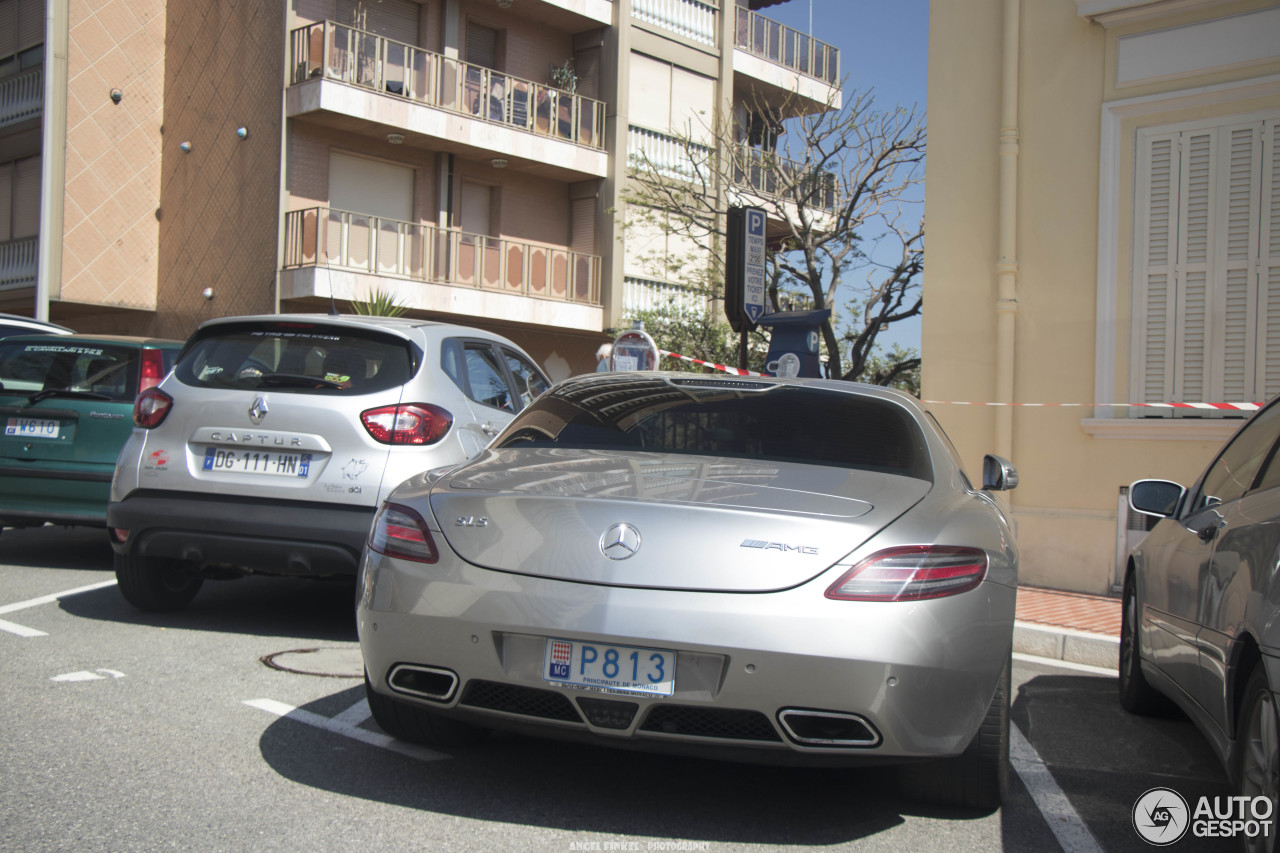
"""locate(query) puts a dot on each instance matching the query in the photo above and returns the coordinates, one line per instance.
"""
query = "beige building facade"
(163, 162)
(1103, 200)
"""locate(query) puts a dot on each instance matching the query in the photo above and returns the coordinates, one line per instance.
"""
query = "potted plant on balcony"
(564, 77)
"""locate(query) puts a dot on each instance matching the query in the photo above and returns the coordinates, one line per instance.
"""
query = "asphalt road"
(124, 731)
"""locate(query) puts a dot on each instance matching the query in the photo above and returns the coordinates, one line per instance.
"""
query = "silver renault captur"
(273, 441)
(792, 571)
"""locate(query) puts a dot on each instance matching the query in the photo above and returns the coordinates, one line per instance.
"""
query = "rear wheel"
(156, 584)
(978, 777)
(1136, 695)
(418, 725)
(1257, 760)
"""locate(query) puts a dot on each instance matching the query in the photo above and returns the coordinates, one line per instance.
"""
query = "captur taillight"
(407, 423)
(398, 531)
(912, 573)
(151, 408)
(152, 369)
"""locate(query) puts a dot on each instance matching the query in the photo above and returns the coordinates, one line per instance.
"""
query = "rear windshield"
(29, 367)
(304, 358)
(768, 422)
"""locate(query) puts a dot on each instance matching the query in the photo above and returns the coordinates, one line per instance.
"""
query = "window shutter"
(586, 63)
(1268, 382)
(583, 238)
(1237, 251)
(1196, 211)
(369, 186)
(26, 198)
(30, 24)
(1156, 297)
(6, 202)
(482, 46)
(8, 27)
(393, 19)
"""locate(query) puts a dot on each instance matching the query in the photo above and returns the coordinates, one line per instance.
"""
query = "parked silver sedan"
(1201, 617)
(791, 571)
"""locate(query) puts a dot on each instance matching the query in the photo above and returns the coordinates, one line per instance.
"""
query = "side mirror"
(998, 474)
(1155, 497)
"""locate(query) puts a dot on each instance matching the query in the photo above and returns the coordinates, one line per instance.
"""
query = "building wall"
(1071, 464)
(113, 169)
(219, 212)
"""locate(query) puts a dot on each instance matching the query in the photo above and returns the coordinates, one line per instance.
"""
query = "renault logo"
(620, 541)
(258, 410)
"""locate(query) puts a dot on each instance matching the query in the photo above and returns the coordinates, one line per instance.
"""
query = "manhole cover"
(324, 662)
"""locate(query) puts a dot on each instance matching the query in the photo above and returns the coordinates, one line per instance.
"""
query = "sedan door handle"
(489, 430)
(1206, 534)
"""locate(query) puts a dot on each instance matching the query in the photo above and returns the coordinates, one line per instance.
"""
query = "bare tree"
(837, 186)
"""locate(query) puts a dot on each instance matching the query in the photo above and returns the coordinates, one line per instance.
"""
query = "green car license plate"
(31, 428)
(622, 668)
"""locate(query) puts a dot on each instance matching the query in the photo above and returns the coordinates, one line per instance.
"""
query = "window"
(486, 383)
(1206, 284)
(1232, 473)
(482, 46)
(528, 381)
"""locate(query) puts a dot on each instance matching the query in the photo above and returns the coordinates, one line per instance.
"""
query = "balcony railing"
(646, 294)
(779, 43)
(689, 18)
(339, 52)
(323, 237)
(18, 263)
(767, 173)
(22, 97)
(754, 170)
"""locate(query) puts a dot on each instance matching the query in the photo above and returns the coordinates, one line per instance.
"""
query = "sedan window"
(1233, 472)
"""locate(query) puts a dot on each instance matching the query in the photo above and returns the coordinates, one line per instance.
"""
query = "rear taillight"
(151, 407)
(407, 423)
(152, 369)
(912, 573)
(400, 532)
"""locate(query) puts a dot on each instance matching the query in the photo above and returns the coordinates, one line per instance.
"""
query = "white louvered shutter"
(1235, 280)
(1196, 216)
(1267, 384)
(1156, 253)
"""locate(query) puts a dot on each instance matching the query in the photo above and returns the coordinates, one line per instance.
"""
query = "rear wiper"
(66, 392)
(297, 380)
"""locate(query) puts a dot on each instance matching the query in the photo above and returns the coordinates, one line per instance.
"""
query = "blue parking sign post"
(753, 264)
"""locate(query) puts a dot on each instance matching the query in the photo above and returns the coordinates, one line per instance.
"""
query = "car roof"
(715, 380)
(34, 324)
(403, 326)
(86, 338)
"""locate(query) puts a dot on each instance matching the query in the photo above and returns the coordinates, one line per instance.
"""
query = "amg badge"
(778, 546)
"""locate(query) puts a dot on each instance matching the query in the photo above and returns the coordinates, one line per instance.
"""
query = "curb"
(1066, 644)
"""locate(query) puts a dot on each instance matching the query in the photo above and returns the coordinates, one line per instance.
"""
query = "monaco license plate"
(31, 428)
(257, 462)
(604, 667)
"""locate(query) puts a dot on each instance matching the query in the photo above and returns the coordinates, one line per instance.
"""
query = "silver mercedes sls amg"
(792, 571)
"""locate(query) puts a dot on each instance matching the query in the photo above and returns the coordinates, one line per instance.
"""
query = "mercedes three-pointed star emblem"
(620, 541)
(258, 410)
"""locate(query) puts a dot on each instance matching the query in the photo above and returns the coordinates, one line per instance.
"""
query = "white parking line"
(1055, 808)
(347, 725)
(22, 630)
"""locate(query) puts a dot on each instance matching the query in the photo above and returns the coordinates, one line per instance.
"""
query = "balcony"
(691, 19)
(784, 46)
(18, 264)
(766, 173)
(337, 52)
(356, 242)
(754, 171)
(22, 97)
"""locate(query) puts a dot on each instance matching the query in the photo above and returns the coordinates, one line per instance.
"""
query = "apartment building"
(168, 161)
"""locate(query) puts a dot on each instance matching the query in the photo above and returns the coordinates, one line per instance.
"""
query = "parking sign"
(753, 264)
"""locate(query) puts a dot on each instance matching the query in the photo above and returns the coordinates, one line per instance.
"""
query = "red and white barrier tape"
(1229, 407)
(736, 371)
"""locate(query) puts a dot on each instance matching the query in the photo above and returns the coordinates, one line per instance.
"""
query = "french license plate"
(31, 428)
(622, 668)
(257, 462)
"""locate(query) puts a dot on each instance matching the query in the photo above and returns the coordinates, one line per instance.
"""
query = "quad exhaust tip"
(827, 728)
(424, 682)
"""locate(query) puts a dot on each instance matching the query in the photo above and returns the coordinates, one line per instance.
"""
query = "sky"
(883, 46)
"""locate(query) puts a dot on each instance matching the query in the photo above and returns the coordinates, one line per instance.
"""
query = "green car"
(66, 408)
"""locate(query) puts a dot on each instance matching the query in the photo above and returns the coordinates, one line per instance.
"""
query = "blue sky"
(883, 46)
